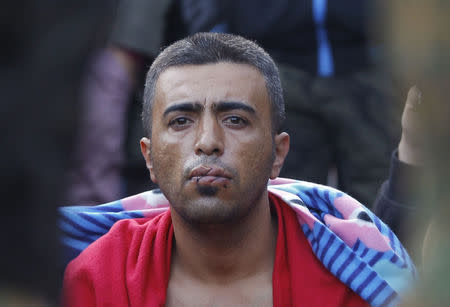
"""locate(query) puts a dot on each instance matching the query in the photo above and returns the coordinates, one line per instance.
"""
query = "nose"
(209, 137)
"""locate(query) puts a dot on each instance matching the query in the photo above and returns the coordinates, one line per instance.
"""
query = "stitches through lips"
(209, 175)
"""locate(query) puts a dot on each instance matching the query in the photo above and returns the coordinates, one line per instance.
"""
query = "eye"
(235, 121)
(180, 123)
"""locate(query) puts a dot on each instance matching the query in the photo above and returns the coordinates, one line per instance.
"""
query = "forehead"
(210, 83)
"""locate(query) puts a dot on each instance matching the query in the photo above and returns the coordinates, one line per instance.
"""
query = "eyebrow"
(224, 106)
(184, 107)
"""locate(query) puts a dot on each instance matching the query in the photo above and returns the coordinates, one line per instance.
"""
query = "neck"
(224, 253)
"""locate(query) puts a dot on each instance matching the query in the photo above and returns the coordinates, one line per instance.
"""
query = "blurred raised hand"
(411, 148)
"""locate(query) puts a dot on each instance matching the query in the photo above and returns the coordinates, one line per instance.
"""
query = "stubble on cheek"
(166, 164)
(259, 164)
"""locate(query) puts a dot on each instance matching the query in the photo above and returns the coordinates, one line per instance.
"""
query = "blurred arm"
(398, 201)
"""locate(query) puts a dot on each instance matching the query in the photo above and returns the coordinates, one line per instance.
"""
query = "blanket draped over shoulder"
(350, 241)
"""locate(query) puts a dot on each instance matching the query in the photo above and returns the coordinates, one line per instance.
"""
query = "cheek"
(167, 158)
(255, 159)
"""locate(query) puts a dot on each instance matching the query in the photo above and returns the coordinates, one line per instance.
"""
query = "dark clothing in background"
(101, 170)
(344, 120)
(398, 204)
(287, 28)
(140, 26)
(45, 46)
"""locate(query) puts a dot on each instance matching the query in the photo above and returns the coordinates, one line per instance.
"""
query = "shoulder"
(111, 251)
(117, 263)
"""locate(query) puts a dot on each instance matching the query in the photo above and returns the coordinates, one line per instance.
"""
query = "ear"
(145, 150)
(281, 150)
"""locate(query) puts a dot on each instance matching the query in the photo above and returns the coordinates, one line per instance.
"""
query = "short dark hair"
(208, 48)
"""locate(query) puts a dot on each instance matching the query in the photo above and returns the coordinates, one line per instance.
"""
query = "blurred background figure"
(106, 161)
(43, 56)
(419, 53)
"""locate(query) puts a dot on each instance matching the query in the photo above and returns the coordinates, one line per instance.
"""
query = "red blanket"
(130, 266)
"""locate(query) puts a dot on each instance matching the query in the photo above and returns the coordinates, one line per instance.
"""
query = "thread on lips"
(207, 168)
(208, 171)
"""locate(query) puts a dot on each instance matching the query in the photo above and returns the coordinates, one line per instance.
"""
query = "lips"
(209, 175)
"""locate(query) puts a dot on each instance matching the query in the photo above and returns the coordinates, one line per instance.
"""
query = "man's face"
(211, 149)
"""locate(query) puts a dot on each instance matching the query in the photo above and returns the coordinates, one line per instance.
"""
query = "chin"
(209, 210)
(207, 190)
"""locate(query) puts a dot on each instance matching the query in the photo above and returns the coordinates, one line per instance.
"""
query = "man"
(212, 110)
